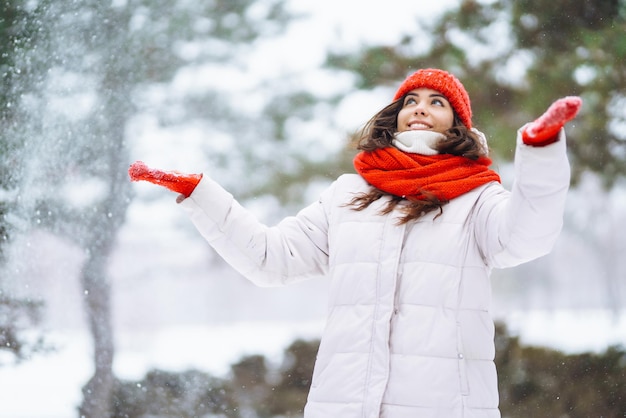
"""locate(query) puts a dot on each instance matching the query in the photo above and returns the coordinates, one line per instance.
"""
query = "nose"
(420, 109)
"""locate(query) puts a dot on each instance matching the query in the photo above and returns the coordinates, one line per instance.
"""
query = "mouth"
(416, 126)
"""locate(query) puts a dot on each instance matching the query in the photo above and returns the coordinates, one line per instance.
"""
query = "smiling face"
(425, 109)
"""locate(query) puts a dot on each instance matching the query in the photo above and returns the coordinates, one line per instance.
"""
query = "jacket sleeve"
(295, 249)
(524, 224)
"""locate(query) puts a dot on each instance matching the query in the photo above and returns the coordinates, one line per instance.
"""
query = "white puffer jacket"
(409, 333)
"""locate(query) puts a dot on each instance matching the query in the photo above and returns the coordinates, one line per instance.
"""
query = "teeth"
(419, 126)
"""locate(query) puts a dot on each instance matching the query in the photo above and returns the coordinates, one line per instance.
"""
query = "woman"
(408, 243)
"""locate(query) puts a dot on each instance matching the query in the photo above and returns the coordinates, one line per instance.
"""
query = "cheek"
(447, 118)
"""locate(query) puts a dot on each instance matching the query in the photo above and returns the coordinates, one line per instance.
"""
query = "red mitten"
(545, 130)
(173, 180)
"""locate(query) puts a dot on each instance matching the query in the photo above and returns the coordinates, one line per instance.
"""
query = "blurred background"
(111, 304)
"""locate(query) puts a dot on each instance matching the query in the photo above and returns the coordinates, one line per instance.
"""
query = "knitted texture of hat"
(446, 84)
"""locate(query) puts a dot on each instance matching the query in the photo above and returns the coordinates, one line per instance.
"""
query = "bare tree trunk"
(97, 393)
(110, 216)
(96, 285)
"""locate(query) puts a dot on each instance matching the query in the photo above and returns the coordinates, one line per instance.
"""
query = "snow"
(571, 331)
(212, 349)
(169, 315)
(48, 386)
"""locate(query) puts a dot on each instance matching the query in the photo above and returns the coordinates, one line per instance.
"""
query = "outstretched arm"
(173, 180)
(293, 250)
(545, 130)
(521, 225)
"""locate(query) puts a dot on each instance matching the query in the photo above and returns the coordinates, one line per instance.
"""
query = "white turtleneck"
(425, 142)
(418, 142)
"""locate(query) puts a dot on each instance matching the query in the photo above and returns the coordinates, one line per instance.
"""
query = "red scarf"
(413, 176)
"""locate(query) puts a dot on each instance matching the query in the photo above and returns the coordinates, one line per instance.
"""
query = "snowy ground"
(49, 386)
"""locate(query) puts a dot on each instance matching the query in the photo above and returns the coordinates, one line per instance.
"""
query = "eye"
(438, 102)
(410, 100)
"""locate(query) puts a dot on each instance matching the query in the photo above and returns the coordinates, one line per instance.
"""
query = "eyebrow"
(431, 95)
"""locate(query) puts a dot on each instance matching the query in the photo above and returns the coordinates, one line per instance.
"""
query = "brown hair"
(379, 132)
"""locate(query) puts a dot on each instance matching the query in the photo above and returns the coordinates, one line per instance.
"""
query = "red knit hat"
(446, 84)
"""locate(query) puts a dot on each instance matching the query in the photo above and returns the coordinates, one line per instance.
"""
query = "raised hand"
(173, 180)
(545, 130)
